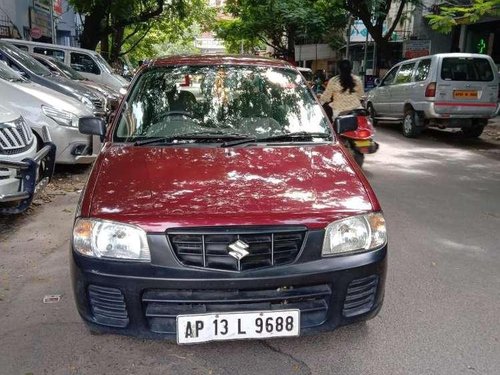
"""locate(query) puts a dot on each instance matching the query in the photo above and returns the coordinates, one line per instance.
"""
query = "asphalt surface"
(441, 197)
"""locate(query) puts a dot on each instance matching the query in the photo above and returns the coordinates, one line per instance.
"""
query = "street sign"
(35, 33)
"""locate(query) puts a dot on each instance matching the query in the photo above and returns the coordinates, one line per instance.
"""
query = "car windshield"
(67, 70)
(9, 74)
(103, 63)
(249, 101)
(25, 60)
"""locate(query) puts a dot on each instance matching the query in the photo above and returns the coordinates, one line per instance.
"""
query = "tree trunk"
(291, 44)
(93, 26)
(105, 47)
(116, 44)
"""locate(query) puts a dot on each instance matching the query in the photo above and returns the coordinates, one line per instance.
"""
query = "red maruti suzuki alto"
(223, 207)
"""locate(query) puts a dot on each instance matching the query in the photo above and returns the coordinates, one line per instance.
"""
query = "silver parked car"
(45, 107)
(29, 68)
(447, 90)
(23, 170)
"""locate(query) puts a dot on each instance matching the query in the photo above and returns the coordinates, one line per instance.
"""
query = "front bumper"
(34, 175)
(143, 300)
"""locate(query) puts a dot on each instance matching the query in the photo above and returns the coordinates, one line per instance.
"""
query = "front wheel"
(372, 113)
(359, 157)
(410, 127)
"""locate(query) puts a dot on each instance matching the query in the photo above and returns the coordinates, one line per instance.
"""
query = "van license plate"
(192, 329)
(465, 94)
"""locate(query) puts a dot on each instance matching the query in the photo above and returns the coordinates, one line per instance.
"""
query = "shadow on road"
(452, 137)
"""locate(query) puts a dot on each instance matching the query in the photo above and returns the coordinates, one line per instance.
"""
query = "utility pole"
(348, 43)
(52, 22)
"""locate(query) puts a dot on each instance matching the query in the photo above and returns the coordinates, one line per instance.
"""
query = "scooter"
(359, 139)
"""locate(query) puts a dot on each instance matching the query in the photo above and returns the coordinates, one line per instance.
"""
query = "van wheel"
(410, 128)
(473, 131)
(372, 113)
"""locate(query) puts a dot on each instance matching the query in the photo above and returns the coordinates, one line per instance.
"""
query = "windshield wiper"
(279, 137)
(195, 136)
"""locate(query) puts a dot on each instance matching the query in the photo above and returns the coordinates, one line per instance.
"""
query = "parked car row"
(42, 103)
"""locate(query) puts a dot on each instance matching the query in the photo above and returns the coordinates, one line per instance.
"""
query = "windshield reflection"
(254, 101)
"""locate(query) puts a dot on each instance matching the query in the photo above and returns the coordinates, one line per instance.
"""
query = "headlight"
(61, 117)
(88, 103)
(108, 239)
(357, 233)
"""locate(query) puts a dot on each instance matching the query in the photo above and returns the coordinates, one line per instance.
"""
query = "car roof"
(220, 60)
(448, 54)
(48, 45)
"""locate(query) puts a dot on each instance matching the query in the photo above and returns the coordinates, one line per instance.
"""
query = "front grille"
(15, 139)
(108, 306)
(161, 306)
(360, 296)
(210, 248)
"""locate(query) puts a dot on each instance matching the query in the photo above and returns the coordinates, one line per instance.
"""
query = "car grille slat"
(108, 306)
(161, 306)
(360, 296)
(17, 139)
(210, 248)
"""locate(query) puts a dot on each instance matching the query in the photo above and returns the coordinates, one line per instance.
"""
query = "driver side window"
(389, 77)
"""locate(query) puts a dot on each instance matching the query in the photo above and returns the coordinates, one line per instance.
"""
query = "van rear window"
(466, 69)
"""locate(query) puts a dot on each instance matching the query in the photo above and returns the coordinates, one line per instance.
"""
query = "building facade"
(50, 21)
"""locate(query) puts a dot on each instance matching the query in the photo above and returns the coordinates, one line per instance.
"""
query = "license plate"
(363, 143)
(192, 329)
(465, 94)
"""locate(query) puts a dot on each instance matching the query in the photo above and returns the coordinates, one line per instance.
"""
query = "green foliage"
(169, 34)
(138, 27)
(278, 23)
(459, 12)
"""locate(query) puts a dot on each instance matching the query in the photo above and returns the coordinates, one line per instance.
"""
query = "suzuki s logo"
(239, 249)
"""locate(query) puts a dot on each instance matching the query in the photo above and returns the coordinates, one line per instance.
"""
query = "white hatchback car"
(447, 90)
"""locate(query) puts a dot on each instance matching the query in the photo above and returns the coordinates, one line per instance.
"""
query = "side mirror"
(376, 81)
(345, 123)
(92, 126)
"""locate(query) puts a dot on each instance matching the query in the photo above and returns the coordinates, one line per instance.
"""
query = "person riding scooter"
(342, 97)
(343, 92)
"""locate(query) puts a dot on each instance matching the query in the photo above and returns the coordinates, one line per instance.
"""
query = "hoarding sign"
(41, 20)
(58, 7)
(416, 48)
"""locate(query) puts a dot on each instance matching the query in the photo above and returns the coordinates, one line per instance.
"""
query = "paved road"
(441, 196)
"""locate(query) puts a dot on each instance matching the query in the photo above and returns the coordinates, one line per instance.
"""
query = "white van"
(89, 63)
(446, 90)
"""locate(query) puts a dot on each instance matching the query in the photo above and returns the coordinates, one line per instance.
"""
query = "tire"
(372, 113)
(473, 131)
(410, 127)
(359, 157)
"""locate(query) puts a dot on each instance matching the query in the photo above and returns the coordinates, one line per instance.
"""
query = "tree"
(452, 13)
(277, 23)
(374, 14)
(112, 18)
(168, 35)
